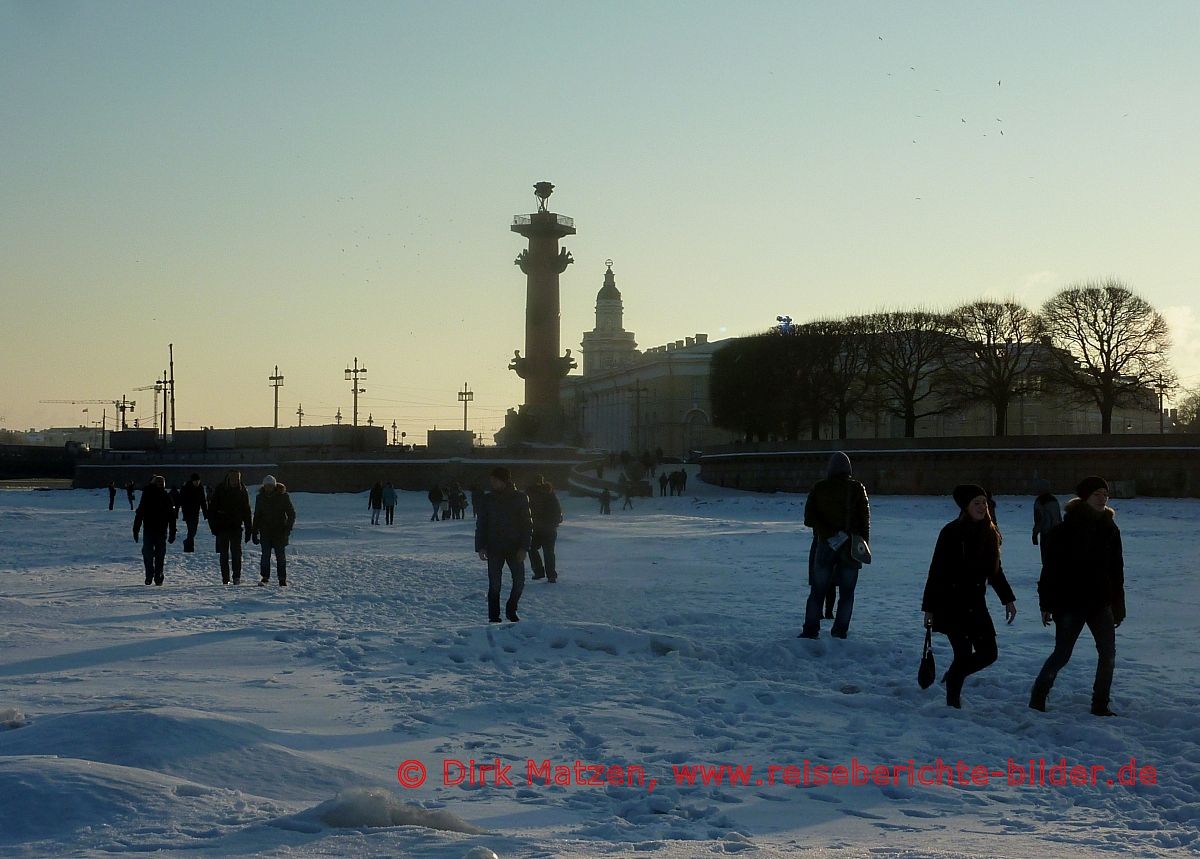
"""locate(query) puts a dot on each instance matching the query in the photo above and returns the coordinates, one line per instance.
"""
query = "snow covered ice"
(198, 720)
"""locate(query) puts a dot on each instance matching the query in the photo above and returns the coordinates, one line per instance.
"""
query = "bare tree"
(1188, 413)
(991, 362)
(842, 361)
(1111, 345)
(906, 355)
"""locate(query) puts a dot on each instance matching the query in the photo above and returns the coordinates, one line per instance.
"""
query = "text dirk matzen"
(1029, 773)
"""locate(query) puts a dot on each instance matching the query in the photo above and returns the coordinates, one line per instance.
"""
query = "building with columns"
(634, 400)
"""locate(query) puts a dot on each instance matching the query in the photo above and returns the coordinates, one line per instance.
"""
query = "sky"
(302, 184)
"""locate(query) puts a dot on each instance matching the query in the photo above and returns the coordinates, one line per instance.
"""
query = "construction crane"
(122, 406)
(159, 387)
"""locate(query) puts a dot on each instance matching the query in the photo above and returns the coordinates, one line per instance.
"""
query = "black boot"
(1037, 699)
(954, 692)
(1101, 710)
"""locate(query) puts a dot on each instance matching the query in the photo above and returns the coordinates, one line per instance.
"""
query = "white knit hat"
(268, 481)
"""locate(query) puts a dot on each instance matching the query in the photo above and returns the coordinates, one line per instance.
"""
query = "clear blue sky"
(302, 183)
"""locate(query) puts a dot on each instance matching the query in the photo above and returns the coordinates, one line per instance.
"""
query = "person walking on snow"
(228, 516)
(1046, 515)
(546, 512)
(606, 502)
(274, 518)
(129, 490)
(836, 508)
(193, 504)
(435, 498)
(389, 503)
(965, 561)
(1083, 584)
(503, 533)
(375, 502)
(155, 518)
(112, 494)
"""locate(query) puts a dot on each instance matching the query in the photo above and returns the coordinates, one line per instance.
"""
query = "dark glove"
(254, 537)
(1035, 538)
(171, 539)
(135, 536)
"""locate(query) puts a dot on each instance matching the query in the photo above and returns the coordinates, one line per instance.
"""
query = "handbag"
(928, 671)
(859, 550)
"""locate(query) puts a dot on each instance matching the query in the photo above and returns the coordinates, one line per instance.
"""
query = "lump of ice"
(11, 717)
(479, 853)
(375, 807)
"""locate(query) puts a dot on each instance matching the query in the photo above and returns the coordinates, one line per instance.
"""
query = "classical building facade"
(627, 399)
(634, 400)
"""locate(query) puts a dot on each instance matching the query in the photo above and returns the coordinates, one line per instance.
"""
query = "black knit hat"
(965, 493)
(501, 473)
(1089, 485)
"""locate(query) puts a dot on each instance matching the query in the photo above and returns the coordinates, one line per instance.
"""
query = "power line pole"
(171, 353)
(300, 415)
(394, 439)
(276, 383)
(338, 416)
(371, 420)
(124, 407)
(465, 396)
(352, 376)
(1160, 385)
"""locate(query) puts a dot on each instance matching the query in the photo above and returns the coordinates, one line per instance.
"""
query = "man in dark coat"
(228, 515)
(837, 506)
(129, 490)
(606, 502)
(193, 504)
(374, 501)
(546, 512)
(965, 561)
(1083, 584)
(274, 518)
(1046, 515)
(112, 494)
(476, 499)
(435, 498)
(155, 518)
(503, 534)
(662, 484)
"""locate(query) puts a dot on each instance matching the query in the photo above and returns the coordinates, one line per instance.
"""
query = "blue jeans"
(280, 559)
(1067, 627)
(496, 562)
(827, 568)
(154, 552)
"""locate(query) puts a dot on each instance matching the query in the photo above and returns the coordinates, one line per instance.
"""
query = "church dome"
(609, 291)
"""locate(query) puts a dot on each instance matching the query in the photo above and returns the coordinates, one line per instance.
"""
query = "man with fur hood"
(1083, 584)
(837, 504)
(274, 518)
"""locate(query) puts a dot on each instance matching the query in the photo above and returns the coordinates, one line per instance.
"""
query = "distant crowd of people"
(1081, 583)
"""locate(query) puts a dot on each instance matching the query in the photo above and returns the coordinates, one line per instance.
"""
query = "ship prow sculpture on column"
(540, 417)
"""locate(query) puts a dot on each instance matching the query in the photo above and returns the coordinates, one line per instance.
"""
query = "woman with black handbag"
(965, 561)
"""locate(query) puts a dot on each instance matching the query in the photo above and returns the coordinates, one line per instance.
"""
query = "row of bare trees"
(1093, 343)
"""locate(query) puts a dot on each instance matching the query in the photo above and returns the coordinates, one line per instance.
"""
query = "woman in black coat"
(965, 561)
